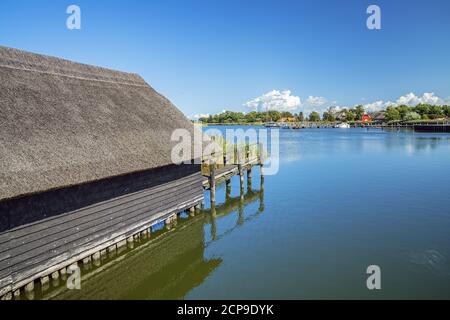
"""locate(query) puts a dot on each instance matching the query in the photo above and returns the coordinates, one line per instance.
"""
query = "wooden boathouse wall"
(43, 232)
(85, 163)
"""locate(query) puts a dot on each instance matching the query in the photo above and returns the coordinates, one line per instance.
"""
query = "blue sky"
(210, 55)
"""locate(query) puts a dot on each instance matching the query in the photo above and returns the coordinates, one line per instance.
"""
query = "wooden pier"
(217, 173)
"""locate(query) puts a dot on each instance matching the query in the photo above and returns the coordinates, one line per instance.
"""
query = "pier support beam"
(261, 159)
(16, 294)
(7, 296)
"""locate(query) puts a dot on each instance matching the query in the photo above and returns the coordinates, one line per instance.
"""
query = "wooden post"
(261, 159)
(16, 294)
(45, 284)
(225, 154)
(249, 170)
(29, 290)
(192, 211)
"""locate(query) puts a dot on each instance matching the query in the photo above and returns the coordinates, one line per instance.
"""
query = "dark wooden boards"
(136, 202)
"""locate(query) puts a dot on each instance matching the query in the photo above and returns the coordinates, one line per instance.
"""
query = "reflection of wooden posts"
(261, 164)
(241, 211)
(261, 159)
(261, 195)
(213, 222)
(212, 181)
(228, 189)
(241, 172)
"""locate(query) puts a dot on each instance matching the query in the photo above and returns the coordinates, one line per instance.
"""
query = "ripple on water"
(431, 260)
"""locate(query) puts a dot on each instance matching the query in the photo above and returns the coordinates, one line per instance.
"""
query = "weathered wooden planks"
(71, 229)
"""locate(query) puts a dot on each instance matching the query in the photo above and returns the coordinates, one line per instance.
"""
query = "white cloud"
(412, 100)
(409, 99)
(316, 101)
(375, 106)
(198, 116)
(275, 100)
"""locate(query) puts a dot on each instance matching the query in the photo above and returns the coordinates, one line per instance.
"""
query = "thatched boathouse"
(85, 163)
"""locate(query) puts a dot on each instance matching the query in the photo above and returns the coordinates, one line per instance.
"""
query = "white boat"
(343, 125)
(272, 124)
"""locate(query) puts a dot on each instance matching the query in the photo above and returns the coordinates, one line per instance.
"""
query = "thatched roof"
(64, 123)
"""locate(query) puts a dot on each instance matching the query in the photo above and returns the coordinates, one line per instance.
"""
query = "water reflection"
(236, 204)
(167, 266)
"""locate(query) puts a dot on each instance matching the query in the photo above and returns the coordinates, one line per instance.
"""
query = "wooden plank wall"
(33, 246)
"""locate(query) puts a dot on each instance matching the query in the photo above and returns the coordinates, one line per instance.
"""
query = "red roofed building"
(366, 118)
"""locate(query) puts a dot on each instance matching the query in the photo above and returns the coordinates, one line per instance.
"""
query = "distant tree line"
(251, 117)
(419, 112)
(392, 113)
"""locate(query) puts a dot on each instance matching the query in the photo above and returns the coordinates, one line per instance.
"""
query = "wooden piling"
(29, 287)
(7, 296)
(96, 256)
(44, 280)
(86, 260)
(261, 159)
(16, 294)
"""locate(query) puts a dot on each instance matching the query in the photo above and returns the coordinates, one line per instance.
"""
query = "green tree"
(403, 110)
(359, 112)
(350, 115)
(314, 116)
(328, 116)
(412, 116)
(392, 114)
(301, 116)
(436, 112)
(286, 114)
(446, 110)
(273, 115)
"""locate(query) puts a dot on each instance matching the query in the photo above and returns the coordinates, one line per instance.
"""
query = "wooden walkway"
(245, 162)
(229, 171)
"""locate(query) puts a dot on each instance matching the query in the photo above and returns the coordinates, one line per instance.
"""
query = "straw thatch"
(64, 123)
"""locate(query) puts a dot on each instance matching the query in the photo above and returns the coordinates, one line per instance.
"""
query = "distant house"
(341, 116)
(290, 119)
(366, 118)
(85, 163)
(378, 116)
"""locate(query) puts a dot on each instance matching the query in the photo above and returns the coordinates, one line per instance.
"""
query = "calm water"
(342, 200)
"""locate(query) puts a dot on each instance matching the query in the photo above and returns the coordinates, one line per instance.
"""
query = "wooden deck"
(229, 171)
